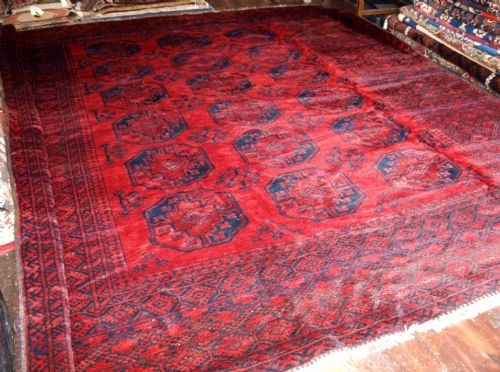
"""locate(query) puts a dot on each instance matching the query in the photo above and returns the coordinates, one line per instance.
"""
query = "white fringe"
(489, 79)
(339, 359)
(66, 4)
(386, 23)
(36, 11)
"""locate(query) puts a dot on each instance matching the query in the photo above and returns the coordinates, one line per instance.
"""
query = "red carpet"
(241, 190)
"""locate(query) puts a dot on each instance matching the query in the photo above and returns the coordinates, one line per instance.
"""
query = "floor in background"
(469, 346)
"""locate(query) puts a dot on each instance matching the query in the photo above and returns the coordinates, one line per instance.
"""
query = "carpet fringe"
(339, 359)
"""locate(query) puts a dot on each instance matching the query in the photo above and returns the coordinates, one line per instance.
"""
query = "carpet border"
(9, 66)
(339, 358)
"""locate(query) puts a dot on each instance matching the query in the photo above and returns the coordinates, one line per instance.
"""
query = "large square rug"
(243, 190)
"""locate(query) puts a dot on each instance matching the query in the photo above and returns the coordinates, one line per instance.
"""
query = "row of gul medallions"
(201, 218)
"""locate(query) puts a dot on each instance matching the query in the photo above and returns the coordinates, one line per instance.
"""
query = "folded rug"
(132, 10)
(7, 5)
(444, 55)
(243, 190)
(108, 6)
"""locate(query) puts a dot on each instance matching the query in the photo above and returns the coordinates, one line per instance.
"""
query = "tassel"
(36, 11)
(489, 79)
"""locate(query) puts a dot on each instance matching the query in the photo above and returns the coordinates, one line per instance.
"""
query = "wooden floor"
(472, 345)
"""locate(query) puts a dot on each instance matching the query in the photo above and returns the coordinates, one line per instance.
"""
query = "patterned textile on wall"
(243, 190)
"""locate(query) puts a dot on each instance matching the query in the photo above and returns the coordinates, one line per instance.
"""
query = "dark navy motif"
(196, 62)
(192, 220)
(306, 120)
(209, 135)
(114, 70)
(418, 170)
(224, 83)
(355, 158)
(114, 152)
(129, 201)
(169, 166)
(315, 194)
(183, 41)
(251, 34)
(244, 112)
(149, 126)
(134, 95)
(273, 53)
(334, 158)
(275, 149)
(238, 178)
(299, 74)
(369, 130)
(108, 50)
(333, 100)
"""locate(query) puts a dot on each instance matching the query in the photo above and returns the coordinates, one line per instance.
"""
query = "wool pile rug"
(242, 190)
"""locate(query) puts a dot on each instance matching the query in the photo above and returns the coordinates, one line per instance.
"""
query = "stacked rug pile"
(138, 7)
(7, 6)
(28, 14)
(464, 36)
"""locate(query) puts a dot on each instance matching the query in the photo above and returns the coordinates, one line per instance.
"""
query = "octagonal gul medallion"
(169, 166)
(149, 126)
(370, 130)
(328, 99)
(112, 49)
(299, 74)
(418, 170)
(135, 94)
(275, 149)
(273, 53)
(244, 112)
(251, 34)
(200, 62)
(314, 194)
(193, 220)
(183, 41)
(119, 69)
(224, 83)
